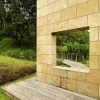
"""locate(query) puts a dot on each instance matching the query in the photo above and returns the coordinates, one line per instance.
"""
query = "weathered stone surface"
(55, 17)
(42, 77)
(51, 39)
(41, 3)
(75, 2)
(38, 31)
(94, 60)
(72, 74)
(51, 1)
(87, 8)
(58, 5)
(39, 13)
(78, 22)
(71, 84)
(68, 13)
(42, 40)
(39, 69)
(94, 20)
(59, 72)
(94, 48)
(47, 10)
(81, 76)
(94, 77)
(42, 21)
(47, 49)
(51, 59)
(41, 58)
(94, 34)
(99, 91)
(88, 89)
(54, 80)
(64, 82)
(60, 26)
(47, 29)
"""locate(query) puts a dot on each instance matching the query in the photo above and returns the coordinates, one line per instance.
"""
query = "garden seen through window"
(73, 46)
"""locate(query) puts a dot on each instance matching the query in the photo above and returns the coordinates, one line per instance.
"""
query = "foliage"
(77, 42)
(11, 68)
(19, 21)
(8, 49)
(62, 49)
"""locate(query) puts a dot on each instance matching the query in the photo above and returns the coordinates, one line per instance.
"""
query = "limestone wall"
(59, 15)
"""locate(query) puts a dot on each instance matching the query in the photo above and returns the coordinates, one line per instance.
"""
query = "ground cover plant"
(12, 68)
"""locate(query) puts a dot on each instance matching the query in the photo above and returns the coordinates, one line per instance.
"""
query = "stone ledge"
(72, 69)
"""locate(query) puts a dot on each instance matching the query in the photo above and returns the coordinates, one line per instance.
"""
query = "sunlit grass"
(13, 62)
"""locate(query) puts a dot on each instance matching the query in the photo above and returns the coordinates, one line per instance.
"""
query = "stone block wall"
(60, 15)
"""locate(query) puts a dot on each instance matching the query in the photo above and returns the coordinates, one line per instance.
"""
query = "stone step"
(30, 89)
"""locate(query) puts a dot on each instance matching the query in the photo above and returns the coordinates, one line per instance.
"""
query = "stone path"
(76, 66)
(30, 89)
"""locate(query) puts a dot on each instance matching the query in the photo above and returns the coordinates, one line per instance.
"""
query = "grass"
(13, 62)
(8, 48)
(3, 96)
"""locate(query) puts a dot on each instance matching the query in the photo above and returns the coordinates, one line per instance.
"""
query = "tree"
(20, 20)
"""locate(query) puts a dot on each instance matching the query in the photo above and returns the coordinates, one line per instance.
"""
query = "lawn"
(14, 63)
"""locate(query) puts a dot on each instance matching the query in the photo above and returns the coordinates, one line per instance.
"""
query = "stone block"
(51, 59)
(50, 8)
(68, 13)
(47, 29)
(39, 68)
(99, 91)
(58, 5)
(38, 31)
(39, 13)
(63, 73)
(94, 77)
(60, 26)
(47, 10)
(42, 39)
(42, 21)
(64, 82)
(94, 20)
(72, 74)
(51, 1)
(56, 72)
(99, 34)
(78, 22)
(53, 80)
(68, 84)
(46, 49)
(94, 34)
(81, 76)
(42, 77)
(94, 48)
(88, 89)
(94, 60)
(54, 17)
(41, 3)
(50, 19)
(41, 59)
(75, 2)
(51, 39)
(87, 8)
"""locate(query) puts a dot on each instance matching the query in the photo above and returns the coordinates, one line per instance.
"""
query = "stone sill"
(82, 70)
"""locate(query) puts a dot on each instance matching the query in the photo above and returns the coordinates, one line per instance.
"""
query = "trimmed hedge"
(8, 74)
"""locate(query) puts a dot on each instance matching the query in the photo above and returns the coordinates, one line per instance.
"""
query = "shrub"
(8, 74)
(62, 49)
